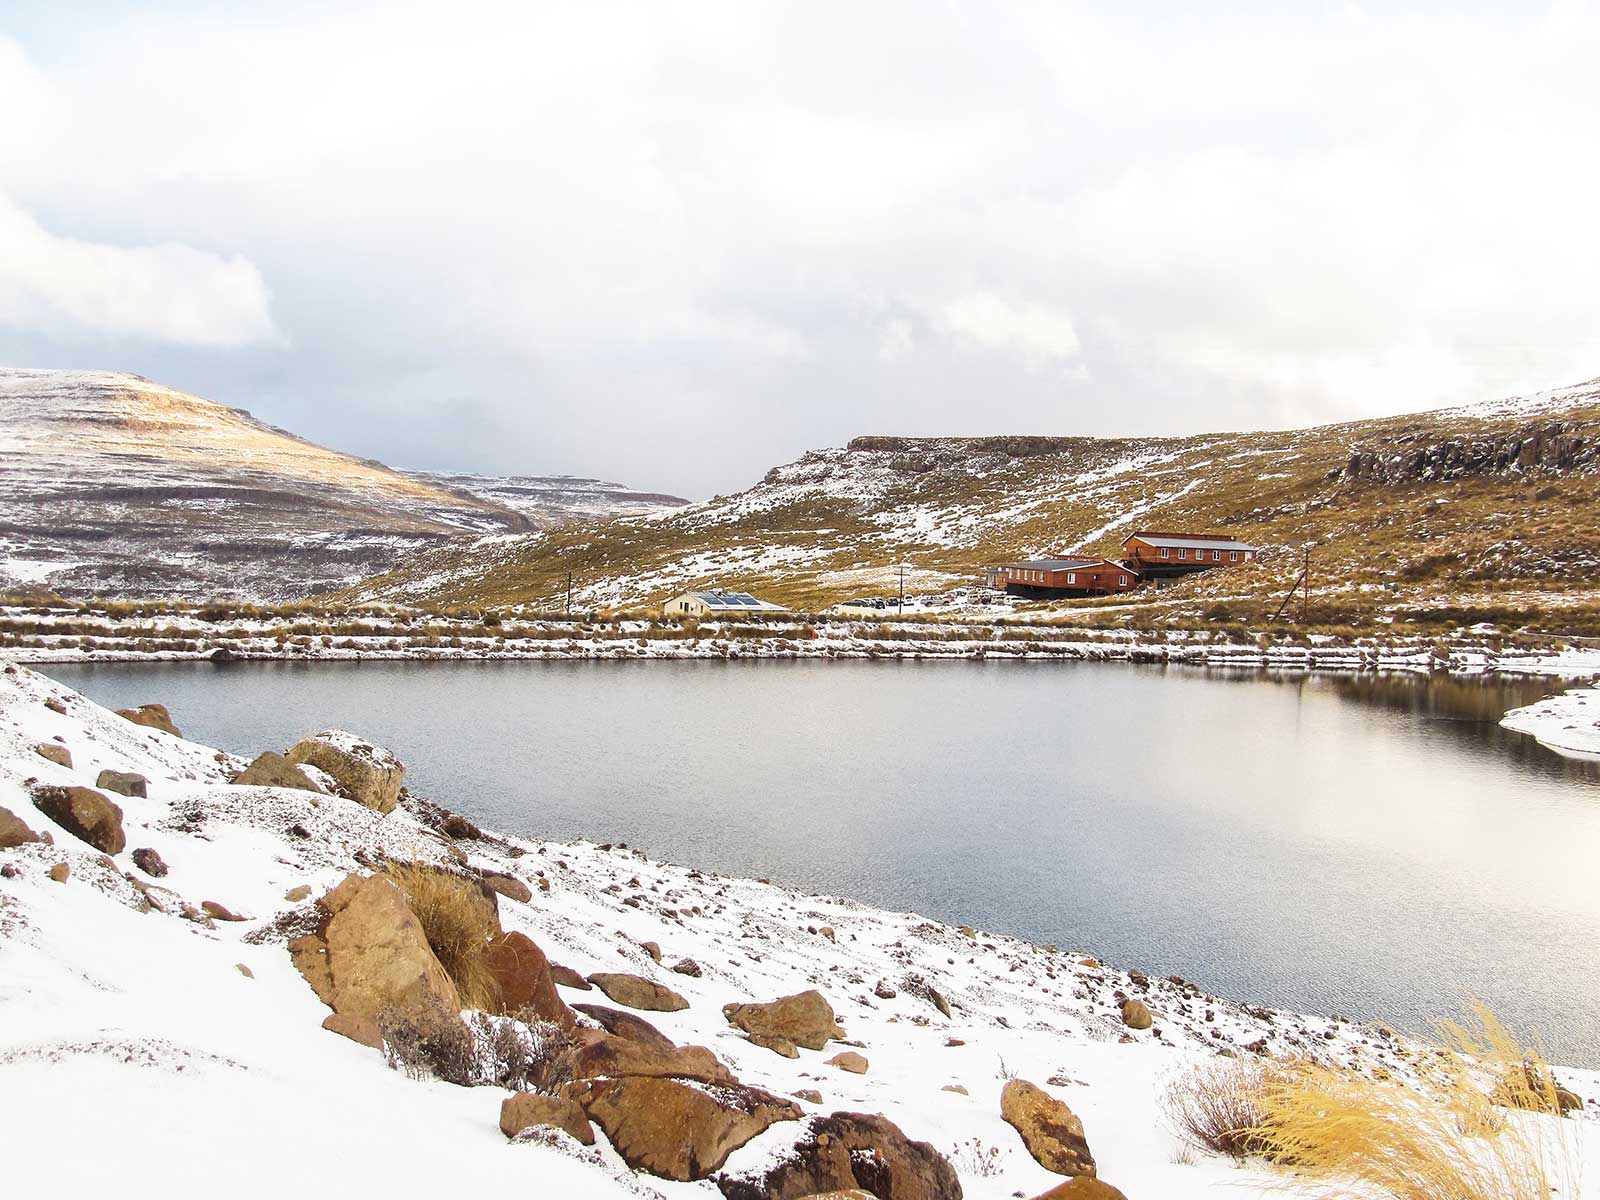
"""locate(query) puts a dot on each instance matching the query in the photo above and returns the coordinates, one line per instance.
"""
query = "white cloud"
(1039, 334)
(168, 292)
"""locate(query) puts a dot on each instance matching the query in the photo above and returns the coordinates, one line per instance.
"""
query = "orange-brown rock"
(309, 953)
(151, 716)
(370, 774)
(1135, 1014)
(604, 1055)
(55, 752)
(635, 991)
(378, 957)
(529, 1110)
(806, 1019)
(1049, 1129)
(522, 974)
(675, 1129)
(569, 978)
(357, 1029)
(1082, 1188)
(14, 830)
(849, 1151)
(850, 1061)
(85, 814)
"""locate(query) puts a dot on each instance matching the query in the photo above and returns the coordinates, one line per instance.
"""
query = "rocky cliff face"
(1549, 447)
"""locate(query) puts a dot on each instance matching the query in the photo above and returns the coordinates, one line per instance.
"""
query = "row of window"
(1044, 577)
(1216, 555)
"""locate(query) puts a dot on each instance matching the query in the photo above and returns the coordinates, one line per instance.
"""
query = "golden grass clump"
(458, 922)
(1481, 1123)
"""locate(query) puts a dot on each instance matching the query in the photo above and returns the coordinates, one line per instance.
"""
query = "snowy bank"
(190, 1049)
(1568, 724)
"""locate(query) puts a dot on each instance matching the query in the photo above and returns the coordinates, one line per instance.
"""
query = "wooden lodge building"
(1147, 554)
(1163, 555)
(1063, 577)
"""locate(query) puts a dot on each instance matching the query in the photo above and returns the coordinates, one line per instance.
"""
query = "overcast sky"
(675, 244)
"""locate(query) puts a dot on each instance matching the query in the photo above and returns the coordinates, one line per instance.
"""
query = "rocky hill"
(110, 483)
(1420, 509)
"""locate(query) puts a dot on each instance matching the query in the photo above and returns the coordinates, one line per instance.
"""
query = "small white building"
(718, 603)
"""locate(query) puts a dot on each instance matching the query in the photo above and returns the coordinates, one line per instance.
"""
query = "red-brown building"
(1155, 554)
(1063, 577)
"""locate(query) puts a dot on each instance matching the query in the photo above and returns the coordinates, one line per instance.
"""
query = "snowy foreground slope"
(135, 1055)
(1568, 724)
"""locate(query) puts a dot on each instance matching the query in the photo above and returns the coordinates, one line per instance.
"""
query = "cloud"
(168, 292)
(1037, 333)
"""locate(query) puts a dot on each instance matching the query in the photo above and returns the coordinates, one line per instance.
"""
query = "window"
(1072, 577)
(1166, 552)
(1122, 581)
(1249, 554)
(1233, 556)
(1216, 556)
(1183, 552)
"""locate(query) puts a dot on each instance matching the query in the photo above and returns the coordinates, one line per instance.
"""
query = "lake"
(1375, 847)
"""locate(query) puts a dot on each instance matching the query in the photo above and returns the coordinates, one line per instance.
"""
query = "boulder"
(55, 752)
(85, 814)
(220, 912)
(59, 872)
(297, 893)
(508, 886)
(459, 829)
(1049, 1129)
(1135, 1015)
(309, 954)
(1082, 1188)
(150, 862)
(14, 830)
(370, 774)
(151, 716)
(271, 769)
(124, 783)
(652, 949)
(357, 1029)
(625, 1025)
(567, 977)
(687, 966)
(529, 1110)
(678, 1130)
(850, 1061)
(806, 1019)
(606, 1056)
(377, 955)
(522, 975)
(847, 1151)
(778, 1045)
(637, 992)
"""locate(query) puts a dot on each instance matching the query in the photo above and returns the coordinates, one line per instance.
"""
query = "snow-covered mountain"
(112, 483)
(552, 499)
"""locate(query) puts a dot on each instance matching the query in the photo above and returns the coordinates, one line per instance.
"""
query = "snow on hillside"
(552, 499)
(189, 1051)
(1568, 724)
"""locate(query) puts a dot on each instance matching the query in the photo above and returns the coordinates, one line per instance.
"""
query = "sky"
(674, 245)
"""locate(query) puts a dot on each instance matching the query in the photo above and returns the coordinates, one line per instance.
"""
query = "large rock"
(151, 716)
(1082, 1188)
(529, 1110)
(606, 1056)
(85, 814)
(14, 830)
(508, 886)
(124, 783)
(55, 752)
(309, 953)
(271, 769)
(678, 1130)
(1050, 1130)
(635, 991)
(625, 1025)
(1135, 1013)
(806, 1019)
(522, 974)
(370, 774)
(569, 978)
(844, 1151)
(377, 955)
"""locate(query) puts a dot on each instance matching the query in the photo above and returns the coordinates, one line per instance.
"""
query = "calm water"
(1377, 848)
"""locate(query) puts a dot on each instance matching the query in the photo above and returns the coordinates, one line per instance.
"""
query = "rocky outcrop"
(1556, 446)
(124, 783)
(522, 975)
(805, 1019)
(846, 1151)
(637, 992)
(529, 1110)
(369, 774)
(14, 830)
(1049, 1129)
(675, 1129)
(377, 955)
(271, 769)
(85, 814)
(151, 716)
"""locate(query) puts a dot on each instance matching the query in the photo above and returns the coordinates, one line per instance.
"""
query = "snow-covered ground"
(1568, 724)
(136, 1055)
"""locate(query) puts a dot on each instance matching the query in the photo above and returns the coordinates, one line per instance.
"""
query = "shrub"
(457, 919)
(429, 1044)
(1217, 1105)
(526, 1053)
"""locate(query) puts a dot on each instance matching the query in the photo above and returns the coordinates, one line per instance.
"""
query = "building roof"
(1062, 564)
(735, 601)
(1193, 541)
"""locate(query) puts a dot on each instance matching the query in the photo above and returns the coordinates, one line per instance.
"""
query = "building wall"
(1085, 580)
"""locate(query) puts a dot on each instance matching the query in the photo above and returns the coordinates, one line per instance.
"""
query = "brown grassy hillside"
(1473, 508)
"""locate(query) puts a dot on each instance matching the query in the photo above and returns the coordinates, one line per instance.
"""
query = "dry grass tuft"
(458, 923)
(1459, 1135)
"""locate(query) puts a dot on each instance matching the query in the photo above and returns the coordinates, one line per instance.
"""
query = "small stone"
(687, 966)
(850, 1061)
(151, 716)
(652, 949)
(244, 970)
(56, 753)
(508, 886)
(956, 1088)
(827, 932)
(1135, 1015)
(59, 872)
(220, 912)
(567, 977)
(148, 861)
(124, 783)
(809, 1095)
(296, 894)
(954, 1041)
(885, 990)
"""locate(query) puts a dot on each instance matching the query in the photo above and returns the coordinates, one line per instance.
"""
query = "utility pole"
(569, 593)
(902, 609)
(1305, 596)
